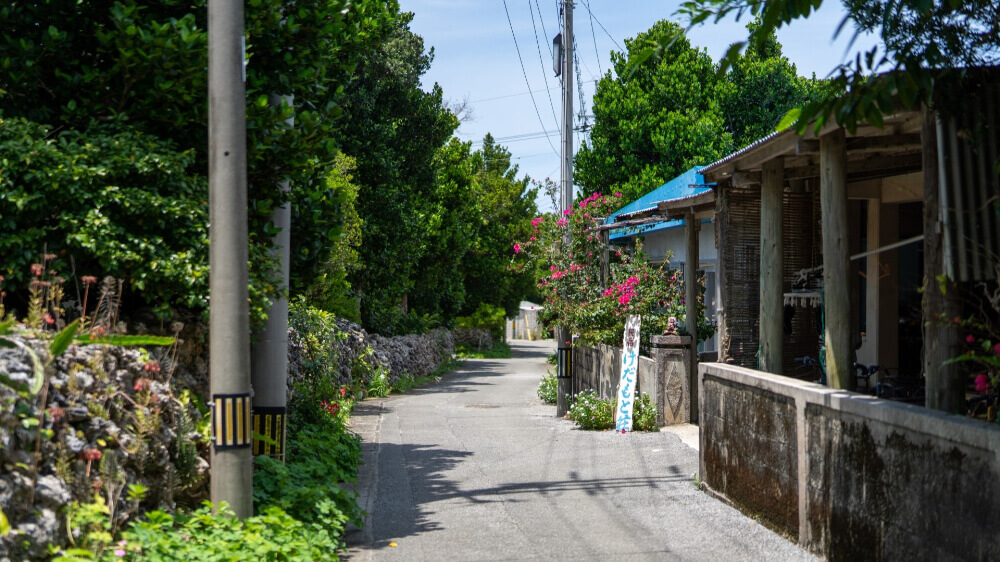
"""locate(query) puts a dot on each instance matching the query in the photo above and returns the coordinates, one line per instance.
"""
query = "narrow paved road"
(476, 467)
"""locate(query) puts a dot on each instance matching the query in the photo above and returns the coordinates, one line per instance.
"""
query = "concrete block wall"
(847, 475)
(598, 368)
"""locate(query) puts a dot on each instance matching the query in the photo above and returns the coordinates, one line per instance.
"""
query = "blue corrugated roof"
(677, 188)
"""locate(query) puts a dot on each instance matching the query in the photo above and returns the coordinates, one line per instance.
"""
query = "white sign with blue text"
(630, 375)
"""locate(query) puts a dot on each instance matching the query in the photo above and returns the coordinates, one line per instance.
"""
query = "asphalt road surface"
(476, 467)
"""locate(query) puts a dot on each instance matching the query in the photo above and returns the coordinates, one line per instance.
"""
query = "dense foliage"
(927, 51)
(657, 118)
(133, 72)
(571, 280)
(590, 411)
(437, 216)
(655, 122)
(114, 201)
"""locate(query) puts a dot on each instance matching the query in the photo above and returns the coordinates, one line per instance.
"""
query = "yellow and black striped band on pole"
(269, 422)
(564, 362)
(231, 421)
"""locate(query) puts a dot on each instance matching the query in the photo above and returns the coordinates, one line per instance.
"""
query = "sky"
(476, 59)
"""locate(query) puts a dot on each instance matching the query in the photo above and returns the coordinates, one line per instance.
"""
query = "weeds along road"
(476, 467)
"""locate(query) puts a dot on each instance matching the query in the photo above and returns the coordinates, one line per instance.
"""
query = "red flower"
(982, 383)
(141, 385)
(970, 339)
(90, 455)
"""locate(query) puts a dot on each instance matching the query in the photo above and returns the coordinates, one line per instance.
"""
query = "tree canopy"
(657, 118)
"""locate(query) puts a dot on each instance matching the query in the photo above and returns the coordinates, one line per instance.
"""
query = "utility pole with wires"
(229, 313)
(563, 53)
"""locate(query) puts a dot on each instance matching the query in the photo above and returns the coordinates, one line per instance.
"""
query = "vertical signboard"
(630, 370)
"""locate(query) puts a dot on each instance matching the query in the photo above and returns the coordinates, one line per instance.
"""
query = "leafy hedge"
(115, 201)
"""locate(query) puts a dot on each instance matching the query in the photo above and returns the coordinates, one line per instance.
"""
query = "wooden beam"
(771, 264)
(836, 259)
(876, 143)
(743, 179)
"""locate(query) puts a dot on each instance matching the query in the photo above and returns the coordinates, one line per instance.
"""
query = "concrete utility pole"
(229, 314)
(269, 365)
(563, 344)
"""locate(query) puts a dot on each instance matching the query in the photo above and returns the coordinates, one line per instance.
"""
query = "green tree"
(653, 121)
(141, 65)
(927, 51)
(396, 130)
(506, 206)
(762, 87)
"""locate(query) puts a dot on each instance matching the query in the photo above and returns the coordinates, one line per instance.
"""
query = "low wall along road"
(849, 476)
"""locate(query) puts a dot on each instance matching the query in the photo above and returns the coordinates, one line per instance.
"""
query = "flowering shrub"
(590, 411)
(569, 277)
(547, 387)
(982, 351)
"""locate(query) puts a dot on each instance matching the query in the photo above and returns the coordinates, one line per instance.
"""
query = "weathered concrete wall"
(866, 478)
(749, 445)
(599, 369)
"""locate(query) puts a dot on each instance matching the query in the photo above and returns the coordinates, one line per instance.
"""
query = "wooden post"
(721, 229)
(945, 384)
(771, 266)
(836, 259)
(605, 258)
(692, 226)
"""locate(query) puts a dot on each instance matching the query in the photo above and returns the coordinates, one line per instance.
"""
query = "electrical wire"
(585, 5)
(545, 73)
(513, 95)
(525, 72)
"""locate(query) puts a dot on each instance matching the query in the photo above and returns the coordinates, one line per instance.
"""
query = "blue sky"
(475, 58)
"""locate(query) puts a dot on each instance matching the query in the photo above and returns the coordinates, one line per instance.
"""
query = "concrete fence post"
(672, 355)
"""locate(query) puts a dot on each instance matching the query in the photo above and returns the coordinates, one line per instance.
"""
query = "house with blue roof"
(665, 237)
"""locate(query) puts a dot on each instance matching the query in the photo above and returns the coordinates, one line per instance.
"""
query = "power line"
(585, 5)
(594, 35)
(522, 137)
(514, 95)
(545, 74)
(525, 72)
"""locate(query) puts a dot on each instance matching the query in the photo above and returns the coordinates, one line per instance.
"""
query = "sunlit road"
(476, 467)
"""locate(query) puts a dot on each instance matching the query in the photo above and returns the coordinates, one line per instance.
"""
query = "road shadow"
(413, 477)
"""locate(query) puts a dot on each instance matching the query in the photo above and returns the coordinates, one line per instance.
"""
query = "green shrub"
(487, 317)
(501, 350)
(590, 411)
(547, 387)
(644, 415)
(379, 385)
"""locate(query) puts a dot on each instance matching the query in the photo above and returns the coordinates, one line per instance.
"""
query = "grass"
(501, 350)
(406, 382)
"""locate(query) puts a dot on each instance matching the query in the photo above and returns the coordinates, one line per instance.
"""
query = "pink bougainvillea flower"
(119, 552)
(623, 300)
(970, 339)
(996, 349)
(517, 248)
(618, 194)
(562, 222)
(535, 221)
(982, 383)
(567, 212)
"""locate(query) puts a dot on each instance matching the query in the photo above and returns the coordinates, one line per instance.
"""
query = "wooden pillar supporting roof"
(836, 259)
(771, 266)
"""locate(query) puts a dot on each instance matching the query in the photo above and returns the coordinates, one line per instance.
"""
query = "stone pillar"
(675, 403)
